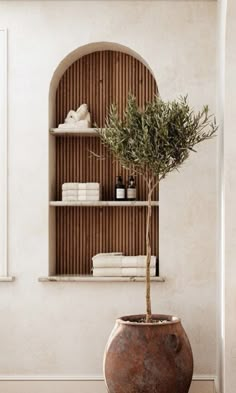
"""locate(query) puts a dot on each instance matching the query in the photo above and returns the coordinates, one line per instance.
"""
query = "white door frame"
(4, 156)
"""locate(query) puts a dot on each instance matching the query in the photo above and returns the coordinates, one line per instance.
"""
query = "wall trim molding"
(220, 333)
(4, 152)
(89, 378)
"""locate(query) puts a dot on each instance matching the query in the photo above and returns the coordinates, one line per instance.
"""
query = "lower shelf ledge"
(84, 278)
(7, 278)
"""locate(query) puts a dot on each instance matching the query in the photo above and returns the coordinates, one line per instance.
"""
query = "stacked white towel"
(81, 192)
(118, 265)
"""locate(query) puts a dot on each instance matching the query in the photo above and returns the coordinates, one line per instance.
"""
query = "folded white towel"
(82, 192)
(70, 186)
(110, 262)
(122, 272)
(69, 198)
(81, 186)
(89, 186)
(106, 254)
(88, 192)
(138, 261)
(84, 124)
(69, 193)
(88, 198)
(81, 124)
(107, 261)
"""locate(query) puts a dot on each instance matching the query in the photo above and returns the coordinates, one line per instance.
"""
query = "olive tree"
(153, 142)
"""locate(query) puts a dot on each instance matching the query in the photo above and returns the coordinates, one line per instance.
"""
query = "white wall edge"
(4, 155)
(221, 42)
(79, 378)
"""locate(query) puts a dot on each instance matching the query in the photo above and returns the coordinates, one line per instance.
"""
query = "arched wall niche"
(76, 55)
(98, 78)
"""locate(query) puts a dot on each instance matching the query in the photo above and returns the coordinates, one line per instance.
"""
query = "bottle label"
(131, 193)
(120, 193)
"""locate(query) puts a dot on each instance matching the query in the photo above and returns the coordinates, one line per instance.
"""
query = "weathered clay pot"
(148, 357)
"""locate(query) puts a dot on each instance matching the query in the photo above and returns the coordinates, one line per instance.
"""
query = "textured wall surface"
(61, 328)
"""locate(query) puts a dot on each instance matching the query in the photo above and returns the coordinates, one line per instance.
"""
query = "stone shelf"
(90, 278)
(74, 132)
(102, 203)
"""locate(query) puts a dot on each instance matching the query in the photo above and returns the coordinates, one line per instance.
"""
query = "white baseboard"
(81, 384)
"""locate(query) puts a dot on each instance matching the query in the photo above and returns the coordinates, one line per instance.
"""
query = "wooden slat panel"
(98, 79)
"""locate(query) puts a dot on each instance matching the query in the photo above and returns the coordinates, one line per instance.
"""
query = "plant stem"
(149, 251)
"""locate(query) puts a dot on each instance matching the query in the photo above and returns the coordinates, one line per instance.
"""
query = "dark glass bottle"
(119, 189)
(131, 189)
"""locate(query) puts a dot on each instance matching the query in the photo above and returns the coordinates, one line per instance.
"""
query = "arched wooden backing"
(98, 79)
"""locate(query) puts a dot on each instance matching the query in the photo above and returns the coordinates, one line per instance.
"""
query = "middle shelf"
(102, 203)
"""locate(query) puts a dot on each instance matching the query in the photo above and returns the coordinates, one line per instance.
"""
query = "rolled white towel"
(70, 186)
(122, 272)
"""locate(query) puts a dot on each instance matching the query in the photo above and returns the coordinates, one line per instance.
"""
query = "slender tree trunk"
(149, 251)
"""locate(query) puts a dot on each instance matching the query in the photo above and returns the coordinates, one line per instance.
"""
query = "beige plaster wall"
(61, 329)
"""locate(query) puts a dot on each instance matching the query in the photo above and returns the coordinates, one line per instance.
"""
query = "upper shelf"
(102, 203)
(74, 132)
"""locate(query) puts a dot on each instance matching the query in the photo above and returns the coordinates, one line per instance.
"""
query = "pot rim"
(131, 320)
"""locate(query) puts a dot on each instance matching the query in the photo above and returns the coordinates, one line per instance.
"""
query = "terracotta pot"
(148, 357)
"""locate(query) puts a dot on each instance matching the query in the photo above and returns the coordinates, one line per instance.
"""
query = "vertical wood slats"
(98, 79)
